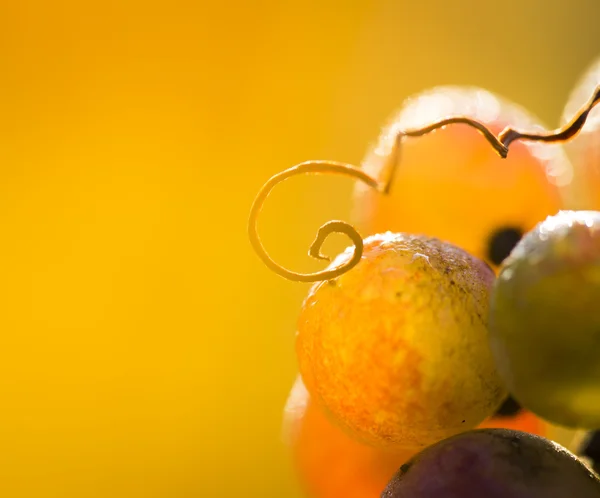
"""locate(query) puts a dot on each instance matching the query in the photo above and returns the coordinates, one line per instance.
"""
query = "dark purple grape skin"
(494, 463)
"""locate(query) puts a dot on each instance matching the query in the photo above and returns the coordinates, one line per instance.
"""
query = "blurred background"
(146, 351)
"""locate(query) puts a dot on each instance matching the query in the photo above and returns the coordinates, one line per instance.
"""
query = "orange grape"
(329, 463)
(451, 184)
(396, 350)
(517, 419)
(513, 416)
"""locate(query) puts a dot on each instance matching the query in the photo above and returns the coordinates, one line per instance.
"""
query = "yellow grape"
(396, 350)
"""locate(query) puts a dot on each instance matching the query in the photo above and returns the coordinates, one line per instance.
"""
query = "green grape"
(545, 320)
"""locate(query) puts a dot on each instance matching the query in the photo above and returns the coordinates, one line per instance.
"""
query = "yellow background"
(146, 351)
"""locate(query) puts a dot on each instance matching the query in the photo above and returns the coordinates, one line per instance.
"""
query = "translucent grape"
(584, 150)
(545, 320)
(451, 184)
(328, 462)
(396, 350)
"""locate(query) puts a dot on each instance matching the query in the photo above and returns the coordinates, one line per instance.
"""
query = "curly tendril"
(562, 134)
(501, 143)
(314, 167)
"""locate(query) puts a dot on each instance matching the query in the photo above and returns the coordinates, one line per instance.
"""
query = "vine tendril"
(562, 134)
(315, 167)
(501, 144)
(498, 146)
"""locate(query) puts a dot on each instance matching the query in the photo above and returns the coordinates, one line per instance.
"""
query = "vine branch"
(500, 144)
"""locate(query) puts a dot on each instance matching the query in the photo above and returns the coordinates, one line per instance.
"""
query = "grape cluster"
(453, 352)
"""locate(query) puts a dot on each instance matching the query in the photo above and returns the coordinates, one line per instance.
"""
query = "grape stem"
(500, 144)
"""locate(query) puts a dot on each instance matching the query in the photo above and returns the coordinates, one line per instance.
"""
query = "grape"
(584, 150)
(396, 350)
(591, 449)
(545, 320)
(511, 415)
(451, 184)
(328, 462)
(494, 463)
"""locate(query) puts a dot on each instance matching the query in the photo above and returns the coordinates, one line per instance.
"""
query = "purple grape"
(494, 463)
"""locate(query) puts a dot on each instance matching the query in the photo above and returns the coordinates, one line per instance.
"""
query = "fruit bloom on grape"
(396, 350)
